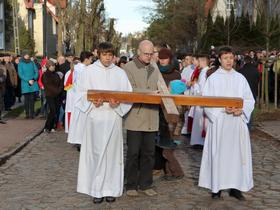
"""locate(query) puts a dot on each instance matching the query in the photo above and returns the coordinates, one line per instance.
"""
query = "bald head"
(145, 51)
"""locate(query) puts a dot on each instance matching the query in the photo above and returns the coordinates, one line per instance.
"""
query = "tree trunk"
(263, 81)
(59, 31)
(276, 84)
(80, 46)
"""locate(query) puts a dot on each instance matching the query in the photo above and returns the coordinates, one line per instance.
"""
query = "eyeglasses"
(148, 54)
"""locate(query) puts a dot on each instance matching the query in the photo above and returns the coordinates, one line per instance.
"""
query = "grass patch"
(19, 111)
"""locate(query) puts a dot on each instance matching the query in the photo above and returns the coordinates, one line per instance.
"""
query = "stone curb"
(26, 141)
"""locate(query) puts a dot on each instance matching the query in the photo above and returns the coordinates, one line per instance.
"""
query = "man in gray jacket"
(142, 123)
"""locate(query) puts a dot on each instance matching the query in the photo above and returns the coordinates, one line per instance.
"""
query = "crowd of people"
(96, 127)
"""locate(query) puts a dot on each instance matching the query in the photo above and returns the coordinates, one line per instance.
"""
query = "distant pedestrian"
(28, 74)
(3, 76)
(11, 83)
(53, 84)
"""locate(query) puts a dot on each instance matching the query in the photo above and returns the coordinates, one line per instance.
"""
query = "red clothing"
(195, 74)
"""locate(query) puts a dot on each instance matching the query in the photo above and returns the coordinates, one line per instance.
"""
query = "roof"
(29, 4)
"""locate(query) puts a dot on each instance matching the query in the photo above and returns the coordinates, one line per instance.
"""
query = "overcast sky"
(129, 14)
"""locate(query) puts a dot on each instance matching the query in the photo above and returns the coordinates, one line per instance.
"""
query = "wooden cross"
(165, 99)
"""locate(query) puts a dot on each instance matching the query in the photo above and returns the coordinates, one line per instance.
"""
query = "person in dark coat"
(3, 76)
(53, 83)
(11, 83)
(164, 157)
(18, 88)
(252, 74)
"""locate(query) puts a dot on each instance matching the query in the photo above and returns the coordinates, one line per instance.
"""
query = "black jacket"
(52, 83)
(251, 73)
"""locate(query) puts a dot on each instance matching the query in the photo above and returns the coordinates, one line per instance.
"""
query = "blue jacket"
(28, 71)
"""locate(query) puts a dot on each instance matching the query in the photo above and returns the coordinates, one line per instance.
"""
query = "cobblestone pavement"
(271, 127)
(43, 176)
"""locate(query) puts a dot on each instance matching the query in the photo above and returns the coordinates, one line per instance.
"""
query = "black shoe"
(216, 195)
(110, 199)
(237, 194)
(97, 200)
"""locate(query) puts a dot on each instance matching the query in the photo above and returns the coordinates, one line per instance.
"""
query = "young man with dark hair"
(77, 122)
(101, 165)
(199, 120)
(227, 160)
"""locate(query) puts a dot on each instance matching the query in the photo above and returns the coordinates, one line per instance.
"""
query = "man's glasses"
(148, 54)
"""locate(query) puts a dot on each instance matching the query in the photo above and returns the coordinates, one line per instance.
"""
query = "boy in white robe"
(101, 165)
(77, 118)
(226, 160)
(199, 120)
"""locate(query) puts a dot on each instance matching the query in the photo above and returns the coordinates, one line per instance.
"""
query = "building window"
(30, 21)
(1, 11)
(1, 40)
(229, 4)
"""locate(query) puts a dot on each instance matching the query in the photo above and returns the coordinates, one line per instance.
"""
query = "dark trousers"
(53, 107)
(29, 100)
(140, 159)
(9, 97)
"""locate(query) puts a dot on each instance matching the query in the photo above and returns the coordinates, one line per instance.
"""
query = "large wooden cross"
(164, 98)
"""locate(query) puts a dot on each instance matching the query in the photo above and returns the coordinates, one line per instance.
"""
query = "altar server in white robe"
(101, 165)
(199, 119)
(186, 76)
(77, 118)
(227, 160)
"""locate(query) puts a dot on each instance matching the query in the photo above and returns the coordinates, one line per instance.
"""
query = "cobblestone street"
(43, 176)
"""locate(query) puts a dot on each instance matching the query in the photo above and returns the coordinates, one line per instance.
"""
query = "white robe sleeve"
(81, 98)
(212, 113)
(248, 102)
(124, 108)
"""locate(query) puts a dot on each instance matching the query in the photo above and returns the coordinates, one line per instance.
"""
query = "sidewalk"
(17, 133)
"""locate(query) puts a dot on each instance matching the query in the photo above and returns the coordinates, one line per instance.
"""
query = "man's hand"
(113, 103)
(98, 102)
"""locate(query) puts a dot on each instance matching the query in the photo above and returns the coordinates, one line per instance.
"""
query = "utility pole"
(45, 46)
(15, 26)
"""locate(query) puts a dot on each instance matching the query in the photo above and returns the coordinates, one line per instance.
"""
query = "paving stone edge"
(7, 155)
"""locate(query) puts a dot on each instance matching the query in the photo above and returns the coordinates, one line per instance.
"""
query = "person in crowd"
(28, 74)
(18, 88)
(227, 159)
(53, 83)
(166, 145)
(200, 121)
(3, 76)
(62, 66)
(11, 83)
(43, 100)
(77, 117)
(122, 61)
(101, 164)
(142, 123)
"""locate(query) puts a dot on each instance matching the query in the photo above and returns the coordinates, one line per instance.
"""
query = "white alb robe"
(199, 122)
(227, 160)
(78, 118)
(101, 165)
(186, 75)
(69, 106)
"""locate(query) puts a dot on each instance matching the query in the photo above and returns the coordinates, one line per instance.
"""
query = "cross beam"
(154, 98)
